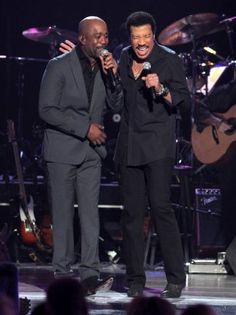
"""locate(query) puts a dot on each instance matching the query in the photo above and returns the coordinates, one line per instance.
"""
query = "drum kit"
(204, 67)
(201, 72)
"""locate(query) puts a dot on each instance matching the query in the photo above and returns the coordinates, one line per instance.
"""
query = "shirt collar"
(80, 53)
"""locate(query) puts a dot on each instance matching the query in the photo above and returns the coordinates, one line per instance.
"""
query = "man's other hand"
(66, 46)
(96, 134)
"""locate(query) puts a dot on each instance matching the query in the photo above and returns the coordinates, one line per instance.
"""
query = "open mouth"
(142, 50)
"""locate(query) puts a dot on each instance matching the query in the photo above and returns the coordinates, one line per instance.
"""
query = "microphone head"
(146, 65)
(103, 52)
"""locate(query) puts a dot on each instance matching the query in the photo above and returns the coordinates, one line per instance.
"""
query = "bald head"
(93, 36)
(88, 22)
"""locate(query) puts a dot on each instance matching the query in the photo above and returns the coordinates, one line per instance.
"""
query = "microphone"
(147, 70)
(104, 53)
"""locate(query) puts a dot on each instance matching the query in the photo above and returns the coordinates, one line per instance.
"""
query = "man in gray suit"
(74, 92)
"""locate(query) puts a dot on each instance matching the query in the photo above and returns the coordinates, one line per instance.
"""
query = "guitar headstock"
(11, 131)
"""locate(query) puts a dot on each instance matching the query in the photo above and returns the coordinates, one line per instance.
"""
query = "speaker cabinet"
(209, 229)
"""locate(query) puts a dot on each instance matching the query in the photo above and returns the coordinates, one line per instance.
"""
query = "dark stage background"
(20, 79)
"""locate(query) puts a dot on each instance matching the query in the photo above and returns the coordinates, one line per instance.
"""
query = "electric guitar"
(212, 146)
(29, 231)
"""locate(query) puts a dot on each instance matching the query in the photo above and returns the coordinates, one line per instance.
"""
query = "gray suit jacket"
(63, 105)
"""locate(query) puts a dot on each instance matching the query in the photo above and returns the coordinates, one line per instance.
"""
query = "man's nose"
(141, 41)
(104, 40)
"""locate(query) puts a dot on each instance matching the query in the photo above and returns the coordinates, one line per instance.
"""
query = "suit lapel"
(78, 74)
(98, 85)
(98, 88)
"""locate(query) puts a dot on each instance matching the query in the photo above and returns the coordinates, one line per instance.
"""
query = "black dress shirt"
(89, 73)
(147, 130)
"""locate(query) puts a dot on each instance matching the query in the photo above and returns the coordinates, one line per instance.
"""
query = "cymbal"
(229, 20)
(22, 59)
(222, 25)
(184, 30)
(49, 35)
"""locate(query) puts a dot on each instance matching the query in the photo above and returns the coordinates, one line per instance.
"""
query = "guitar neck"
(19, 173)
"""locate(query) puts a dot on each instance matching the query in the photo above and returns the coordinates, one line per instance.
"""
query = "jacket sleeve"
(115, 97)
(68, 118)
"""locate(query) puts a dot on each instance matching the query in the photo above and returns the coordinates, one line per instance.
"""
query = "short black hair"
(140, 18)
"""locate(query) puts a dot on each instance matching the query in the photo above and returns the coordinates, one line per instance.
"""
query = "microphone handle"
(111, 77)
(153, 92)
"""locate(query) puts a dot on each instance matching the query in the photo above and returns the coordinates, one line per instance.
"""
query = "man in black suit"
(145, 150)
(74, 92)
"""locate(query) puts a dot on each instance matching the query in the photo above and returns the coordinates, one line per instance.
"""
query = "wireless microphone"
(104, 53)
(147, 69)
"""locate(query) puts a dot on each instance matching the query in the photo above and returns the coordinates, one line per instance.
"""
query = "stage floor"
(217, 290)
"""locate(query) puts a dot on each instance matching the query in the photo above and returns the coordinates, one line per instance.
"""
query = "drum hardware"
(50, 35)
(28, 159)
(222, 25)
(22, 59)
(227, 23)
(203, 66)
(188, 30)
(213, 52)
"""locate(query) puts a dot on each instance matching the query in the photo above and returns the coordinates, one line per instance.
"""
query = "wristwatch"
(163, 91)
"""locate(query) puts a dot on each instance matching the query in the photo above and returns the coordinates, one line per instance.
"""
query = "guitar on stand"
(29, 231)
(210, 146)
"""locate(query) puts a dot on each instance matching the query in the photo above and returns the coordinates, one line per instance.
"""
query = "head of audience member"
(198, 309)
(7, 305)
(66, 296)
(150, 306)
(40, 309)
(93, 36)
(9, 281)
(141, 27)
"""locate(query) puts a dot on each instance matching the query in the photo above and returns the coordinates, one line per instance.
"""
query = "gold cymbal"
(188, 28)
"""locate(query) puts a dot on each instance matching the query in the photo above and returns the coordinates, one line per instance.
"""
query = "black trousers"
(153, 181)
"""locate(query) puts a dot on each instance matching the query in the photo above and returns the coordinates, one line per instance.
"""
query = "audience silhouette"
(153, 305)
(66, 296)
(198, 309)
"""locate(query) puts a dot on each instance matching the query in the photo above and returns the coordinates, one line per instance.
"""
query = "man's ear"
(82, 39)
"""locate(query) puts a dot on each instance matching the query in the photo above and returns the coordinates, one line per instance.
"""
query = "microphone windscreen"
(147, 66)
(104, 52)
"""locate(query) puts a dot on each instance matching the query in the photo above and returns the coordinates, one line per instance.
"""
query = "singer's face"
(95, 38)
(142, 40)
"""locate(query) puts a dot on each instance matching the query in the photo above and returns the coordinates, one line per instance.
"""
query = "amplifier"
(209, 226)
(208, 200)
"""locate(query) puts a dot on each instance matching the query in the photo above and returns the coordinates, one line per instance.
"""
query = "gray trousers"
(65, 183)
